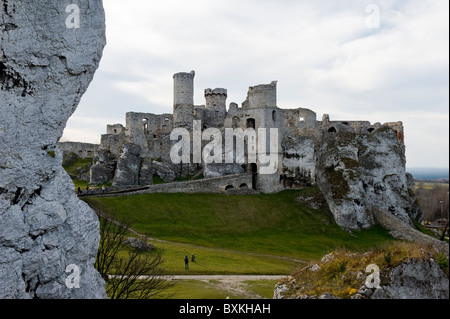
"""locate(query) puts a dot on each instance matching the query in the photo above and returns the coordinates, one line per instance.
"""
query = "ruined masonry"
(357, 165)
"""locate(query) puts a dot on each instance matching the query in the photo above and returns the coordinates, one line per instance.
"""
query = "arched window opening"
(251, 123)
(145, 123)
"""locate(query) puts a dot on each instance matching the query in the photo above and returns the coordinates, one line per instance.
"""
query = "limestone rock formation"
(360, 172)
(128, 166)
(49, 51)
(413, 278)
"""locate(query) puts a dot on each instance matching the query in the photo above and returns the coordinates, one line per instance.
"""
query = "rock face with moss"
(400, 271)
(49, 51)
(357, 172)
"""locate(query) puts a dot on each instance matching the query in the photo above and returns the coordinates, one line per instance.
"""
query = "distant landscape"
(423, 173)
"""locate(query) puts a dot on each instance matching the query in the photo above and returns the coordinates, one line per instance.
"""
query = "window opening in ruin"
(345, 123)
(115, 131)
(243, 185)
(371, 130)
(229, 187)
(332, 130)
(251, 123)
(301, 119)
(274, 116)
(145, 122)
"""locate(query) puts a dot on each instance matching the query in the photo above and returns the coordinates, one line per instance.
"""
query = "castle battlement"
(141, 150)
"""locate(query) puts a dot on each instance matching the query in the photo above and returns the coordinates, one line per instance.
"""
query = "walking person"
(186, 262)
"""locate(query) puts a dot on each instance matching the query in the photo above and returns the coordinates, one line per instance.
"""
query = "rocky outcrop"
(299, 161)
(128, 166)
(413, 278)
(401, 230)
(49, 52)
(357, 172)
(104, 167)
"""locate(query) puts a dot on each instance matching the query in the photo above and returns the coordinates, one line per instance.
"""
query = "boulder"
(139, 244)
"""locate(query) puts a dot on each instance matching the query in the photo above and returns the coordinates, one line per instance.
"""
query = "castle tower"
(216, 101)
(264, 95)
(183, 99)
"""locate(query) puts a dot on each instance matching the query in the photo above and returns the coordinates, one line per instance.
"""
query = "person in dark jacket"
(186, 262)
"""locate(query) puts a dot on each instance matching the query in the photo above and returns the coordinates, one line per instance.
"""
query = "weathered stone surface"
(299, 161)
(415, 279)
(45, 67)
(104, 168)
(128, 166)
(164, 170)
(412, 279)
(401, 230)
(357, 172)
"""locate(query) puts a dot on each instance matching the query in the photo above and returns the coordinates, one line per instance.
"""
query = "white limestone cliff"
(49, 51)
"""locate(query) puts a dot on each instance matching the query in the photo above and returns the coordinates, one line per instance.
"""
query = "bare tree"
(434, 201)
(135, 275)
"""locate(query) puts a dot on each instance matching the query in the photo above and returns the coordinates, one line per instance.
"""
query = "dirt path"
(234, 284)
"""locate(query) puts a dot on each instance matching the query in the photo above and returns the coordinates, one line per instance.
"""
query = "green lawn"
(213, 289)
(274, 224)
(218, 261)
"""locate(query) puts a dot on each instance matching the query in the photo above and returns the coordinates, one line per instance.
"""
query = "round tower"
(216, 101)
(183, 98)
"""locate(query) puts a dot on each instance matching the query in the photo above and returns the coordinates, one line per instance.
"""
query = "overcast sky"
(331, 56)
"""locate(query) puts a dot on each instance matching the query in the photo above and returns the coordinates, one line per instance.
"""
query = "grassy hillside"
(75, 166)
(274, 224)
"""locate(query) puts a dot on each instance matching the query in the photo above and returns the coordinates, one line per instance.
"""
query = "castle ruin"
(130, 155)
(358, 166)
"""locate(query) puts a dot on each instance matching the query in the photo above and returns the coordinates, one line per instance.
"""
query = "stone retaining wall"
(231, 183)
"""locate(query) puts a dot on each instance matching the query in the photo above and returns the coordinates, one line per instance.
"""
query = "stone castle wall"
(302, 158)
(82, 150)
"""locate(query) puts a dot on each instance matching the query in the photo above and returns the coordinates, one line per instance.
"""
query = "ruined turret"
(216, 101)
(264, 95)
(183, 99)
